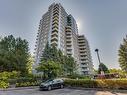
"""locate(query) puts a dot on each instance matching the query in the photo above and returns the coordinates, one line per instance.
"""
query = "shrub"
(7, 78)
(8, 75)
(26, 84)
(23, 82)
(75, 76)
(4, 84)
(80, 83)
(99, 83)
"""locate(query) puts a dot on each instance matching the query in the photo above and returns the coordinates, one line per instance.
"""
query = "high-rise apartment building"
(86, 65)
(60, 29)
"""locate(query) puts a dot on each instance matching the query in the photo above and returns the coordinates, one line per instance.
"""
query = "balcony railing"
(54, 34)
(68, 29)
(54, 39)
(54, 29)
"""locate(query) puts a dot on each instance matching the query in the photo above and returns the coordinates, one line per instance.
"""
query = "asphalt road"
(64, 91)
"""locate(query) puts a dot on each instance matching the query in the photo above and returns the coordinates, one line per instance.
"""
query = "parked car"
(52, 84)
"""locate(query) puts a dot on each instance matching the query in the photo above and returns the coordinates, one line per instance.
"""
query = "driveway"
(64, 91)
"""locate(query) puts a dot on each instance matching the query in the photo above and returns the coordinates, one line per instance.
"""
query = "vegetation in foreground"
(98, 83)
(55, 64)
(123, 55)
(16, 67)
(14, 55)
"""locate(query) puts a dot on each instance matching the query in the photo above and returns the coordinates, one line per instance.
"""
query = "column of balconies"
(68, 40)
(83, 56)
(55, 25)
(54, 36)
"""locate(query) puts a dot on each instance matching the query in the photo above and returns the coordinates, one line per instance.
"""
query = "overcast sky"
(104, 23)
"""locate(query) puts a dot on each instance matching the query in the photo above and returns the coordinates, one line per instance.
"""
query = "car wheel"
(61, 86)
(49, 88)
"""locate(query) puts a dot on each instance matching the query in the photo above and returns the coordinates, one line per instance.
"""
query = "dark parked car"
(52, 84)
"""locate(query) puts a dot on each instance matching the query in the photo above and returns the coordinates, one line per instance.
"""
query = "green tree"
(66, 65)
(102, 67)
(14, 54)
(49, 68)
(121, 73)
(47, 53)
(70, 65)
(122, 52)
(30, 64)
(49, 64)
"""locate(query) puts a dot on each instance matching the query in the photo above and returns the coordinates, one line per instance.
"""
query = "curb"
(19, 88)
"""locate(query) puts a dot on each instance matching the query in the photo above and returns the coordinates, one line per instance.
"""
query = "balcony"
(54, 34)
(84, 58)
(56, 13)
(54, 38)
(83, 65)
(69, 48)
(68, 29)
(68, 41)
(69, 45)
(56, 7)
(83, 55)
(55, 24)
(68, 36)
(81, 43)
(81, 40)
(83, 51)
(81, 48)
(68, 33)
(54, 29)
(54, 44)
(84, 61)
(55, 21)
(85, 72)
(84, 69)
(55, 18)
(69, 53)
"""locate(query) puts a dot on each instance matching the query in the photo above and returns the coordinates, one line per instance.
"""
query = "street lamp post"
(96, 50)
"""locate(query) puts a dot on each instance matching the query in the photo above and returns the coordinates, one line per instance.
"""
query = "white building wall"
(52, 29)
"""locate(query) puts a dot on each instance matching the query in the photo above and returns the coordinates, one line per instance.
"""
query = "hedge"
(98, 83)
(24, 82)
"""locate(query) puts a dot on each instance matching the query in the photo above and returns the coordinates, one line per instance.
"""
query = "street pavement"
(65, 91)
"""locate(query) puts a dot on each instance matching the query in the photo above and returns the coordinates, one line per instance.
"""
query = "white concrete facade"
(60, 29)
